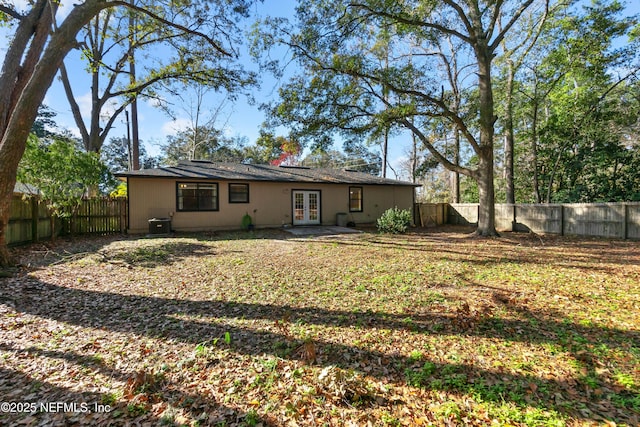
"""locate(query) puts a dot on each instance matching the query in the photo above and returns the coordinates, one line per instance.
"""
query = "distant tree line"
(512, 101)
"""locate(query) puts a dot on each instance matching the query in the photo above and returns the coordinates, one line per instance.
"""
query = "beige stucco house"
(202, 195)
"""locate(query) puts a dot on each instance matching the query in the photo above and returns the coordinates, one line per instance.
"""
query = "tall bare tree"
(516, 49)
(38, 46)
(113, 39)
(341, 87)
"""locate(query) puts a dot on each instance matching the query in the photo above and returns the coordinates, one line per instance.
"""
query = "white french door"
(306, 207)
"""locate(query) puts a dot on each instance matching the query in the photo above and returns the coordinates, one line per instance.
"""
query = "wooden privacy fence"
(430, 214)
(29, 220)
(609, 220)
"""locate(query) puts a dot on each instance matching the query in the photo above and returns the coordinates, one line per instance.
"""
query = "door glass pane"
(313, 206)
(299, 206)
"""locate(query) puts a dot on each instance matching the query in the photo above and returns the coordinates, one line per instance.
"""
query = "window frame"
(360, 199)
(238, 184)
(215, 198)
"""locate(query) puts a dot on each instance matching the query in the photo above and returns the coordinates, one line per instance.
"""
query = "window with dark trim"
(197, 196)
(238, 193)
(355, 199)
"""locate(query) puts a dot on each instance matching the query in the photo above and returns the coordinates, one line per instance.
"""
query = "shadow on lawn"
(593, 254)
(90, 408)
(198, 321)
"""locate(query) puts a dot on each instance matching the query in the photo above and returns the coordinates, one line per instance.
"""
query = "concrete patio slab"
(320, 230)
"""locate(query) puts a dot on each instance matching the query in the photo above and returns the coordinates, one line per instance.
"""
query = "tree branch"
(495, 17)
(75, 108)
(510, 24)
(112, 119)
(463, 17)
(11, 12)
(439, 103)
(439, 156)
(414, 22)
(169, 23)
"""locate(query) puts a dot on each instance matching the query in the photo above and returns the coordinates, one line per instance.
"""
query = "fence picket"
(29, 219)
(608, 220)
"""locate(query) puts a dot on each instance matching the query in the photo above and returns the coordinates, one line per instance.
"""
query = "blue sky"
(239, 118)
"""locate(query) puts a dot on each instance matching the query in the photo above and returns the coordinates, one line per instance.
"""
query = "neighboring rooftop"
(201, 169)
(29, 189)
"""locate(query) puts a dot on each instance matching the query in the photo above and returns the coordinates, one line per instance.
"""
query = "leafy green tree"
(203, 143)
(44, 122)
(356, 158)
(516, 49)
(344, 87)
(360, 158)
(267, 148)
(584, 141)
(62, 172)
(116, 154)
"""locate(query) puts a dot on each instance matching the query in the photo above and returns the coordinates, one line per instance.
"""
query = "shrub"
(394, 221)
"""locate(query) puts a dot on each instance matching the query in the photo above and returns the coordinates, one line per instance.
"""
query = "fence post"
(35, 219)
(123, 214)
(625, 216)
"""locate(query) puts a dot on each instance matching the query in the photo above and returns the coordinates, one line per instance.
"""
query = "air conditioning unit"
(160, 226)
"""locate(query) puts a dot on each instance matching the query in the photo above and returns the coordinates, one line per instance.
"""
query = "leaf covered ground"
(429, 328)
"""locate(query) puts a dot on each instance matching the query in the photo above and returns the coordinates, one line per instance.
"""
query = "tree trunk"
(135, 138)
(534, 150)
(455, 176)
(93, 144)
(135, 141)
(414, 157)
(385, 152)
(22, 57)
(484, 173)
(486, 211)
(17, 120)
(508, 137)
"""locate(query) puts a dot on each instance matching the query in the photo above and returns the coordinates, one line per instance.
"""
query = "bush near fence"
(30, 221)
(609, 220)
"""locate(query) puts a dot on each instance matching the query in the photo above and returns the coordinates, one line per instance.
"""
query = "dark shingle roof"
(199, 169)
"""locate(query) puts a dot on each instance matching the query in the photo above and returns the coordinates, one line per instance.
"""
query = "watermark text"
(53, 407)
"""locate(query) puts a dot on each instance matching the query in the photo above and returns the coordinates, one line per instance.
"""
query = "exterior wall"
(270, 204)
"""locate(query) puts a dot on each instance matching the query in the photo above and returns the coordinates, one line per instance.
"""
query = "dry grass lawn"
(429, 328)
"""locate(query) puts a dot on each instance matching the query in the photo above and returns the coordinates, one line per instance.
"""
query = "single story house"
(201, 195)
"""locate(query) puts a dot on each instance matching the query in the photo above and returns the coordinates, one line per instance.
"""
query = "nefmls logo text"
(64, 407)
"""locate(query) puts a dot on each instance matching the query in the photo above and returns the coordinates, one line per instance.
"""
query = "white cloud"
(84, 103)
(155, 102)
(399, 164)
(173, 126)
(64, 9)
